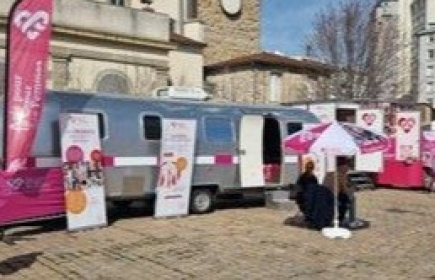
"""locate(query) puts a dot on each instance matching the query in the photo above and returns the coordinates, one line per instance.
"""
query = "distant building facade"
(423, 17)
(395, 16)
(135, 46)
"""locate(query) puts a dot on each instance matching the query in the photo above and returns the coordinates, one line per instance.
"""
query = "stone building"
(423, 55)
(135, 46)
(266, 78)
(236, 69)
(100, 47)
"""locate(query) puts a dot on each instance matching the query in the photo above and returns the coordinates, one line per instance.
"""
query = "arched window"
(113, 83)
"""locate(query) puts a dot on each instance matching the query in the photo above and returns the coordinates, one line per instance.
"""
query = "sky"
(286, 23)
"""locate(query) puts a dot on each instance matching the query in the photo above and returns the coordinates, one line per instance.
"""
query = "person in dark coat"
(320, 207)
(306, 181)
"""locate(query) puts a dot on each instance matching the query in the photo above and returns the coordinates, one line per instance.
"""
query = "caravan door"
(250, 151)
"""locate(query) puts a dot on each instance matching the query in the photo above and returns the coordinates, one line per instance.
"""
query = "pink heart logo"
(369, 118)
(407, 124)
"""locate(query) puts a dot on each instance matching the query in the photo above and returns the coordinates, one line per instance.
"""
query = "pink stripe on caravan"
(223, 159)
(31, 162)
(108, 161)
(43, 162)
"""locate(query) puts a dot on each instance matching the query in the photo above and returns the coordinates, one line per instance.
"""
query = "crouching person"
(305, 184)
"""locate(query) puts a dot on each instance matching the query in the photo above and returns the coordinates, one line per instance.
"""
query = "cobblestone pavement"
(233, 243)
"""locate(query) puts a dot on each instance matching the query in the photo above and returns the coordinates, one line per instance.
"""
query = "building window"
(431, 54)
(430, 87)
(113, 83)
(117, 2)
(191, 9)
(430, 71)
(293, 127)
(431, 38)
(275, 87)
(102, 125)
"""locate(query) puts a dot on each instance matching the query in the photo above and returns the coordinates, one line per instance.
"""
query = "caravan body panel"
(130, 131)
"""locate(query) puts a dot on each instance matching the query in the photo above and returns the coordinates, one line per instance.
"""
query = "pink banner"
(29, 194)
(428, 149)
(28, 49)
(408, 136)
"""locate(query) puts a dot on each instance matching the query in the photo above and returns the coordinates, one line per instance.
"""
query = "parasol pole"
(335, 231)
(335, 222)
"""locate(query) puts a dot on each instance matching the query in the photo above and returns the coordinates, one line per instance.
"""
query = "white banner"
(325, 112)
(83, 177)
(370, 119)
(176, 168)
(407, 135)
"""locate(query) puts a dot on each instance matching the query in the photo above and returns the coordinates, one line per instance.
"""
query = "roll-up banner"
(176, 167)
(82, 171)
(370, 119)
(29, 33)
(407, 136)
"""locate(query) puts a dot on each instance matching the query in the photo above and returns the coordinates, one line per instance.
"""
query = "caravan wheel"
(201, 201)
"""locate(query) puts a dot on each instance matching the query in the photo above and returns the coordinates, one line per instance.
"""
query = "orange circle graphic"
(75, 201)
(181, 163)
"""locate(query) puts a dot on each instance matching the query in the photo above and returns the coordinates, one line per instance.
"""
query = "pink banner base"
(400, 174)
(31, 194)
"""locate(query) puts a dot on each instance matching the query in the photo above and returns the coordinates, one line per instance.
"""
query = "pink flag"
(27, 54)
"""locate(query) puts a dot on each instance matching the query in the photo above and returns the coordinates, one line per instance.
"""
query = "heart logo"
(369, 118)
(406, 124)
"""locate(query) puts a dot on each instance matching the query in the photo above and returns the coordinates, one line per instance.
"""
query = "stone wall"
(229, 36)
(253, 85)
(232, 86)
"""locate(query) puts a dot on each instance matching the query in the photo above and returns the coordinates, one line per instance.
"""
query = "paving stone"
(244, 242)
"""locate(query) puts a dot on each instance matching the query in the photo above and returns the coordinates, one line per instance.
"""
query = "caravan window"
(152, 127)
(101, 125)
(293, 127)
(218, 130)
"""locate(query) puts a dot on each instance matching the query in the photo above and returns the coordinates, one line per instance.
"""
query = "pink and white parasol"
(336, 139)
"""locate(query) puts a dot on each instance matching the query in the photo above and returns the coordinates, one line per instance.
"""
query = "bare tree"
(363, 49)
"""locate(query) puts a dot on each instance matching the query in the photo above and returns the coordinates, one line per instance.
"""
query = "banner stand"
(85, 198)
(176, 168)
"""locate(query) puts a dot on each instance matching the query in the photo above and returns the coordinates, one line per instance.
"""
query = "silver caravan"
(238, 147)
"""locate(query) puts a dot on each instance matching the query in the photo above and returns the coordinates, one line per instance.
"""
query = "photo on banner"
(85, 199)
(407, 135)
(370, 119)
(176, 167)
